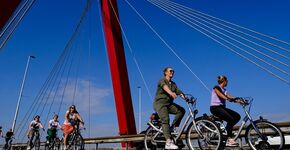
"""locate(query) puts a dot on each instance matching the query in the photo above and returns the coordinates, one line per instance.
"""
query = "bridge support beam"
(118, 67)
(7, 7)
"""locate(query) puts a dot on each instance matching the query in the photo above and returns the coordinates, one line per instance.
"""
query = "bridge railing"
(139, 138)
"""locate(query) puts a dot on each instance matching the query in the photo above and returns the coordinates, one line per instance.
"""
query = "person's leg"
(162, 111)
(179, 112)
(232, 120)
(226, 115)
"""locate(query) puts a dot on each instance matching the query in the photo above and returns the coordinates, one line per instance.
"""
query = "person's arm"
(79, 117)
(220, 94)
(167, 90)
(40, 125)
(66, 116)
(49, 124)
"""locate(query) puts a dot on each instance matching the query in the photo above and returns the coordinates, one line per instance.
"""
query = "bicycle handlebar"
(245, 100)
(190, 99)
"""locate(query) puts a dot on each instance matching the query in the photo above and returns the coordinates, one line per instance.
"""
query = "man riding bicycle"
(34, 127)
(53, 124)
(166, 92)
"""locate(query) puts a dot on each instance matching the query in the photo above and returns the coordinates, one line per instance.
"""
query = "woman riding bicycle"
(71, 118)
(34, 127)
(53, 124)
(218, 107)
(166, 92)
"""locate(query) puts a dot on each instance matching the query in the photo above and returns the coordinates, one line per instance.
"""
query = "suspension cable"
(167, 45)
(249, 53)
(195, 16)
(270, 72)
(258, 33)
(131, 50)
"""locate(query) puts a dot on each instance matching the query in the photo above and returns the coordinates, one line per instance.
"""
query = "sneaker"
(231, 143)
(170, 145)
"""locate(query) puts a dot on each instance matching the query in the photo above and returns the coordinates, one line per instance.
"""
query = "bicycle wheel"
(57, 144)
(271, 136)
(210, 137)
(79, 142)
(37, 144)
(149, 139)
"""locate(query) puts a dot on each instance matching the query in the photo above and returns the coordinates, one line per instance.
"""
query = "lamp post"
(139, 88)
(20, 93)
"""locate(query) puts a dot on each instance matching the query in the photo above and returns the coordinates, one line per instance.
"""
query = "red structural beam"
(118, 67)
(7, 7)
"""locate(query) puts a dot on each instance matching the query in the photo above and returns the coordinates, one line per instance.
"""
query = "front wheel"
(37, 144)
(266, 136)
(209, 136)
(79, 143)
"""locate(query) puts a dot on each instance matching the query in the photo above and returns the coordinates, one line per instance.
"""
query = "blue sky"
(48, 26)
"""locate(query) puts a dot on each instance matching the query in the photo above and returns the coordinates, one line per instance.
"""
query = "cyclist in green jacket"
(166, 92)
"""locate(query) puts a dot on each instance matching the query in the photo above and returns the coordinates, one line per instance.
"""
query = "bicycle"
(8, 144)
(260, 134)
(205, 130)
(53, 144)
(36, 143)
(75, 139)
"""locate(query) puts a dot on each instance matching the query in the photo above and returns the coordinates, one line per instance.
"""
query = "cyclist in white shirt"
(53, 124)
(34, 126)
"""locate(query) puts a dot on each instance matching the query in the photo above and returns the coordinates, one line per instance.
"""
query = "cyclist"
(53, 124)
(167, 91)
(71, 118)
(34, 126)
(218, 107)
(8, 137)
(1, 131)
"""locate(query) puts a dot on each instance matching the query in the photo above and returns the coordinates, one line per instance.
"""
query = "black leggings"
(228, 115)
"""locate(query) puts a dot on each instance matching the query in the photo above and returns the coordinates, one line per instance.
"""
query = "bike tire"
(275, 137)
(148, 143)
(210, 138)
(78, 142)
(37, 144)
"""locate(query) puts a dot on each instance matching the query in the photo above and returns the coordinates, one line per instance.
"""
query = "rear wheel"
(270, 137)
(150, 138)
(210, 137)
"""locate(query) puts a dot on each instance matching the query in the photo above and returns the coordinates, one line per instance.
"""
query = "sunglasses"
(171, 71)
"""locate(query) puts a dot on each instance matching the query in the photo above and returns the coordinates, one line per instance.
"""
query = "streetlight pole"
(139, 108)
(20, 94)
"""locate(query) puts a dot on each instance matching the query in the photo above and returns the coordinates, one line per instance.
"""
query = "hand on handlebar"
(172, 94)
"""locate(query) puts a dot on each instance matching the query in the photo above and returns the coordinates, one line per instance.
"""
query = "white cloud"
(86, 96)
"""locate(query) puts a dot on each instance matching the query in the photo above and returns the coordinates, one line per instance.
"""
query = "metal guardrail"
(284, 126)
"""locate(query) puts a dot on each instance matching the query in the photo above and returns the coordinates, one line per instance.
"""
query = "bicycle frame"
(191, 116)
(246, 119)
